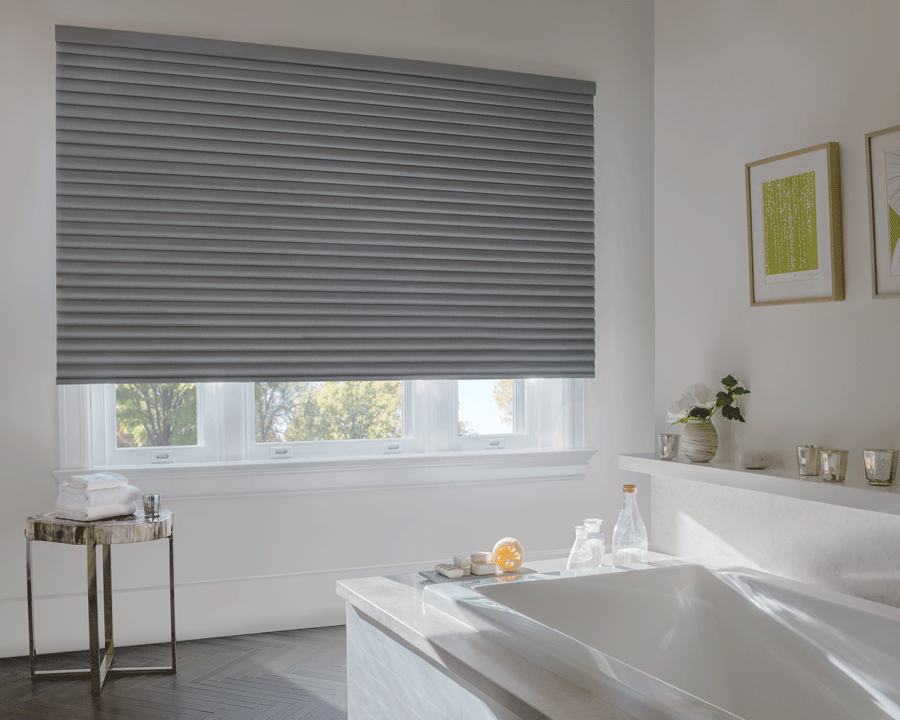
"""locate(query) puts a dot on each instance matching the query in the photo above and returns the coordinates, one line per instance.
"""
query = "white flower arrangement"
(700, 402)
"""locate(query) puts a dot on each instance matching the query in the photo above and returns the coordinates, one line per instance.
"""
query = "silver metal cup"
(834, 465)
(881, 466)
(151, 506)
(809, 459)
(668, 446)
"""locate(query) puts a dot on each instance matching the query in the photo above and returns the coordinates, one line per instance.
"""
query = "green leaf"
(701, 413)
(740, 391)
(723, 399)
(732, 413)
(729, 382)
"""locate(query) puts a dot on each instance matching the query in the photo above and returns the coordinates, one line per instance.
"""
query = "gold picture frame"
(883, 175)
(794, 227)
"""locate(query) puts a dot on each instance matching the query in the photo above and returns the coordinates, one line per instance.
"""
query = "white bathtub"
(695, 641)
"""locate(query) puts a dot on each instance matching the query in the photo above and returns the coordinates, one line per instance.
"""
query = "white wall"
(270, 563)
(737, 82)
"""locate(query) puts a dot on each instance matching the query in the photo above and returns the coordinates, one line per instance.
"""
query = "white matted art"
(794, 227)
(883, 160)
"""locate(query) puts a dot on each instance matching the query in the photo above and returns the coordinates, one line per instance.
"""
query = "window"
(244, 213)
(152, 423)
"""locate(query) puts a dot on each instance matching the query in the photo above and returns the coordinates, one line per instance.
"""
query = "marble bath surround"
(668, 640)
(409, 659)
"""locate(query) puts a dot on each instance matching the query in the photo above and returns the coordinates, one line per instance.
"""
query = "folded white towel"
(76, 498)
(97, 512)
(98, 481)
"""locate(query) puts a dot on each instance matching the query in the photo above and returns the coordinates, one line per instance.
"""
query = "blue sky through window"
(478, 407)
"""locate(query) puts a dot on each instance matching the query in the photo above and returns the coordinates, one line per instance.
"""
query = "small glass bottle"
(596, 541)
(629, 540)
(581, 557)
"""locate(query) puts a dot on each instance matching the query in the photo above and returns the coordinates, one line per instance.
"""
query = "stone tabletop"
(111, 531)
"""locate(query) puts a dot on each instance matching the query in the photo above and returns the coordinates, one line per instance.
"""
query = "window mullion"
(538, 424)
(231, 412)
(523, 420)
(440, 417)
(411, 429)
(209, 429)
(573, 396)
(104, 411)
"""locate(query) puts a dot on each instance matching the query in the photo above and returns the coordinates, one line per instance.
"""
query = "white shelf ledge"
(854, 493)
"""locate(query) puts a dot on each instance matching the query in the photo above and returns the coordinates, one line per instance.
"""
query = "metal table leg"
(110, 646)
(100, 666)
(107, 595)
(93, 625)
(172, 592)
(30, 605)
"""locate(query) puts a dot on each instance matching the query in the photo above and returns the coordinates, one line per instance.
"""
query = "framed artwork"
(883, 165)
(794, 227)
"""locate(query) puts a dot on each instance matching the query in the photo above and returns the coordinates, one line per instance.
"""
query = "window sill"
(855, 492)
(296, 477)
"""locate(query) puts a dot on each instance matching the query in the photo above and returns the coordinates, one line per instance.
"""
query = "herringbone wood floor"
(289, 675)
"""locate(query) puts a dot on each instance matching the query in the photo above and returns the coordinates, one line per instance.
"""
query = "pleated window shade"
(238, 212)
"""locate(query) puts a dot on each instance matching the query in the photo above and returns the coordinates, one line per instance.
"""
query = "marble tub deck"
(527, 690)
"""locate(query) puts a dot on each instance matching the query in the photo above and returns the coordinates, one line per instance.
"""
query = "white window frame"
(223, 464)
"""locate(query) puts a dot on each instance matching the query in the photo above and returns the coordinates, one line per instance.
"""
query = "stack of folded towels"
(97, 496)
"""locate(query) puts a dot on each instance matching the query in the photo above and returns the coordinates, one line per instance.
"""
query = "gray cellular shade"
(237, 212)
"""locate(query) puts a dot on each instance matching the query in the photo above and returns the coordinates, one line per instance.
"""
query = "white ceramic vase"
(699, 441)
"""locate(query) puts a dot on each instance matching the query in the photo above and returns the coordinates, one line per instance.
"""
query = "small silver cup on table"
(809, 459)
(834, 465)
(151, 505)
(668, 446)
(881, 466)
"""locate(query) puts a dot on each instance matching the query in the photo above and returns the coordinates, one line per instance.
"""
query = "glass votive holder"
(151, 506)
(834, 465)
(668, 446)
(809, 459)
(881, 466)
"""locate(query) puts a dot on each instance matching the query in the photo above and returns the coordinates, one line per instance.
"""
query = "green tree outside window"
(307, 411)
(156, 414)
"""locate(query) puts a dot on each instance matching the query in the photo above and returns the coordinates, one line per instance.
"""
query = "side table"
(113, 531)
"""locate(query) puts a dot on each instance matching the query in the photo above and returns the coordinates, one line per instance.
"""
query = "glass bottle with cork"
(629, 538)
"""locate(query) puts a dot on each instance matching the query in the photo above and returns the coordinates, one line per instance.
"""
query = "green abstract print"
(894, 220)
(789, 220)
